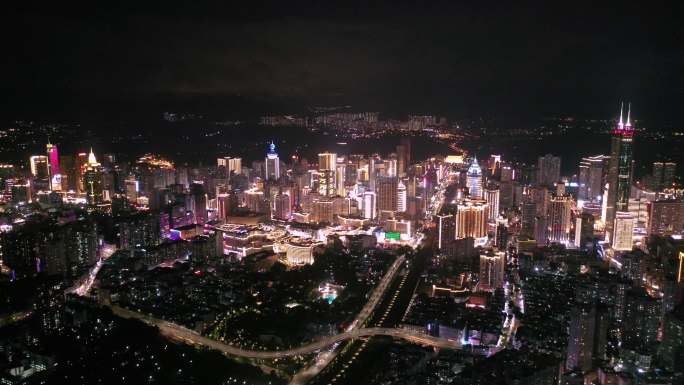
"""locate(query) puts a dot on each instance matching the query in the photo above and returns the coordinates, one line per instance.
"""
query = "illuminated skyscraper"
(327, 163)
(663, 175)
(132, 188)
(492, 267)
(492, 198)
(666, 217)
(92, 180)
(403, 156)
(581, 338)
(272, 163)
(40, 169)
(340, 178)
(282, 206)
(474, 180)
(623, 230)
(592, 177)
(55, 172)
(471, 219)
(387, 193)
(369, 205)
(619, 171)
(401, 197)
(548, 169)
(559, 220)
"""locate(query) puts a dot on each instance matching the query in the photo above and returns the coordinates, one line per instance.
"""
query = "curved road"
(177, 332)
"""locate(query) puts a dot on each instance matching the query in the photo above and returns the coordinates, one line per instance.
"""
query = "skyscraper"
(327, 163)
(471, 219)
(40, 169)
(492, 266)
(581, 337)
(492, 198)
(548, 169)
(559, 219)
(623, 230)
(592, 177)
(92, 180)
(403, 156)
(666, 217)
(272, 164)
(401, 197)
(369, 205)
(54, 170)
(386, 188)
(663, 175)
(474, 180)
(619, 171)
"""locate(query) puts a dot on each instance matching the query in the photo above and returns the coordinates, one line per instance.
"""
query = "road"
(324, 357)
(181, 333)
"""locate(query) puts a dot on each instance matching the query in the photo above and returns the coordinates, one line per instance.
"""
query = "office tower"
(559, 218)
(340, 179)
(282, 206)
(386, 189)
(492, 268)
(474, 180)
(446, 230)
(623, 230)
(272, 164)
(223, 206)
(494, 164)
(666, 217)
(471, 219)
(581, 338)
(401, 197)
(403, 156)
(199, 199)
(54, 170)
(492, 198)
(529, 213)
(592, 177)
(322, 211)
(663, 175)
(369, 205)
(584, 231)
(548, 169)
(327, 163)
(40, 170)
(132, 188)
(92, 180)
(619, 171)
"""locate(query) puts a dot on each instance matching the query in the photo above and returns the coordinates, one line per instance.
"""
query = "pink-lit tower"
(53, 167)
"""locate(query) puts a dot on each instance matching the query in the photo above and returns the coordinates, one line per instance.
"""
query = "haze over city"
(320, 193)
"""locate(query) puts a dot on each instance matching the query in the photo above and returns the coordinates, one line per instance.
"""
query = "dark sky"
(460, 60)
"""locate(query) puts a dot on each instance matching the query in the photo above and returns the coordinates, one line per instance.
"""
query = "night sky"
(530, 60)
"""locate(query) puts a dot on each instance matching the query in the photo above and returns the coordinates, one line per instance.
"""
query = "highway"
(183, 334)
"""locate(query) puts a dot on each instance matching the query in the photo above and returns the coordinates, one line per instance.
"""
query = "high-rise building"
(492, 198)
(340, 179)
(642, 318)
(471, 219)
(666, 217)
(401, 197)
(619, 171)
(559, 218)
(92, 180)
(272, 164)
(40, 170)
(663, 175)
(492, 268)
(671, 351)
(548, 169)
(54, 170)
(199, 197)
(369, 205)
(446, 230)
(403, 156)
(593, 172)
(474, 180)
(327, 164)
(132, 188)
(282, 206)
(386, 189)
(623, 230)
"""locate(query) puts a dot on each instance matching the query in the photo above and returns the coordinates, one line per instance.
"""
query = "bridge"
(180, 333)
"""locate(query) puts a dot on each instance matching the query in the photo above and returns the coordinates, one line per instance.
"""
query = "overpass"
(183, 334)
